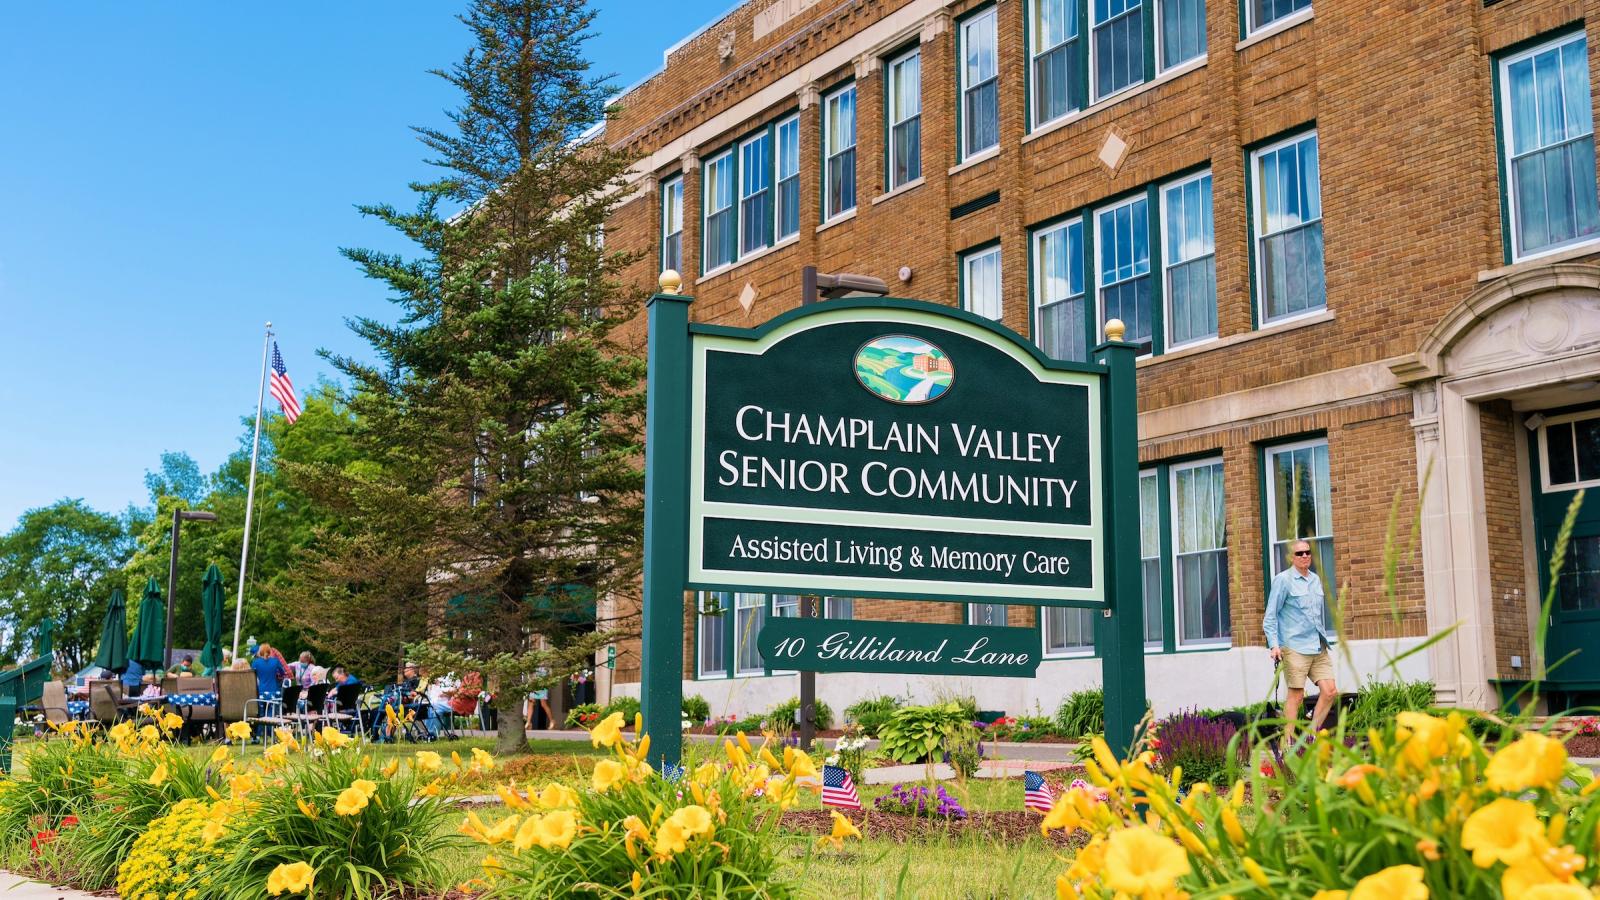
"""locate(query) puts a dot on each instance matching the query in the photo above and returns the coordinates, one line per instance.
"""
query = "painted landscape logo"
(903, 369)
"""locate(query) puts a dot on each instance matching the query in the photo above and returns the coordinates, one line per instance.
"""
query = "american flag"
(282, 388)
(838, 790)
(1036, 793)
(671, 771)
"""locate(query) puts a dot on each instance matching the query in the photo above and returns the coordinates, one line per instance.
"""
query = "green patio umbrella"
(211, 606)
(113, 652)
(150, 635)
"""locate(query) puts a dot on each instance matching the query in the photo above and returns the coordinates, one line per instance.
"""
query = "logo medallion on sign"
(903, 369)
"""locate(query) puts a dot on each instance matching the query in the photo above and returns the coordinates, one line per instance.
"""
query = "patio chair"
(199, 717)
(235, 687)
(306, 720)
(271, 711)
(344, 707)
(53, 703)
(105, 701)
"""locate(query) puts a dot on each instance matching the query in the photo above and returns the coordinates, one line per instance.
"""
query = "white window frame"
(1158, 7)
(726, 157)
(828, 159)
(1094, 260)
(1094, 88)
(967, 259)
(700, 636)
(893, 118)
(778, 154)
(1544, 451)
(1035, 51)
(830, 610)
(1508, 121)
(990, 17)
(1167, 265)
(766, 607)
(1082, 652)
(1253, 27)
(1269, 537)
(1179, 641)
(1260, 235)
(1005, 609)
(672, 188)
(1040, 281)
(740, 173)
(1154, 474)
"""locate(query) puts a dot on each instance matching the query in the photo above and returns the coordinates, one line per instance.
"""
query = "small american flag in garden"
(1036, 793)
(282, 388)
(671, 771)
(838, 790)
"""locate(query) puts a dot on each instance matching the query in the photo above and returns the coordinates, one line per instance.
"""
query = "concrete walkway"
(15, 887)
(993, 749)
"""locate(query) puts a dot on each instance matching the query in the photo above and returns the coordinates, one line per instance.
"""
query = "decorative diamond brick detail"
(1113, 150)
(747, 298)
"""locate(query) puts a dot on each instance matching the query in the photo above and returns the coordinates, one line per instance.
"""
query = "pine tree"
(500, 491)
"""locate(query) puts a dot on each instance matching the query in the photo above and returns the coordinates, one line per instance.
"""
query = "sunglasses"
(1302, 553)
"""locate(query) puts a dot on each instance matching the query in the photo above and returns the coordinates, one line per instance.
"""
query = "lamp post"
(816, 286)
(178, 515)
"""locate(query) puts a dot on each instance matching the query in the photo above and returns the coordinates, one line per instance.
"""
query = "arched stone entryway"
(1522, 342)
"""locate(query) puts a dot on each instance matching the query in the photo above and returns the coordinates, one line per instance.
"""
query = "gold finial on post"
(671, 282)
(1114, 328)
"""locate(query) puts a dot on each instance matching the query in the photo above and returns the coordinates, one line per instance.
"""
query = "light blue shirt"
(1295, 610)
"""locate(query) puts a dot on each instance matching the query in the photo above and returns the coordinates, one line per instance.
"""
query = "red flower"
(69, 821)
(1268, 770)
(42, 838)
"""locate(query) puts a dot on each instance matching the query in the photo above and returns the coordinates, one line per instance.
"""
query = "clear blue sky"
(174, 175)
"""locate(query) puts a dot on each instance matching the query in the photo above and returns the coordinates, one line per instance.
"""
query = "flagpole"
(250, 494)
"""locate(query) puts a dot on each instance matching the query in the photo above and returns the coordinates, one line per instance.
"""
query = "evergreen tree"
(500, 426)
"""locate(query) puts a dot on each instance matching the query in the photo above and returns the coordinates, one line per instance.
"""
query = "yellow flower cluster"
(292, 878)
(1467, 816)
(353, 799)
(171, 860)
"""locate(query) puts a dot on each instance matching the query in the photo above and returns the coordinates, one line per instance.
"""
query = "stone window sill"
(1234, 340)
(840, 219)
(908, 186)
(718, 272)
(1171, 74)
(1278, 27)
(971, 161)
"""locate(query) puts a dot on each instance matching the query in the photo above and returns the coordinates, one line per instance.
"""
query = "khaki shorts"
(1296, 666)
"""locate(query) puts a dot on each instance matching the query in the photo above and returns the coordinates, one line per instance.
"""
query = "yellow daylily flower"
(607, 772)
(295, 878)
(1555, 891)
(481, 759)
(351, 802)
(693, 820)
(842, 828)
(502, 831)
(276, 755)
(1533, 761)
(158, 776)
(511, 797)
(527, 835)
(556, 796)
(608, 732)
(390, 768)
(637, 883)
(1140, 861)
(1393, 883)
(238, 731)
(670, 839)
(1504, 831)
(332, 738)
(365, 786)
(557, 829)
(1330, 895)
(429, 761)
(171, 721)
(306, 809)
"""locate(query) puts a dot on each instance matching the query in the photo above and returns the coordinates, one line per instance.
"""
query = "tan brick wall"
(1503, 516)
(1400, 94)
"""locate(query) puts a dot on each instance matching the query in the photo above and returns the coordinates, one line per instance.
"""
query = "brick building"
(1360, 241)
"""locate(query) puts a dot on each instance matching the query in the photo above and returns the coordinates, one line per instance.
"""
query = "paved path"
(1003, 750)
(15, 887)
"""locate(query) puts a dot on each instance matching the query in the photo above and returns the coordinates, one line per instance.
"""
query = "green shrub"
(749, 725)
(578, 716)
(870, 714)
(915, 733)
(1083, 713)
(628, 706)
(1378, 701)
(696, 709)
(783, 714)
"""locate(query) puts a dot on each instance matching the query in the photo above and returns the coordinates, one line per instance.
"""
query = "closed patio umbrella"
(211, 607)
(150, 635)
(113, 652)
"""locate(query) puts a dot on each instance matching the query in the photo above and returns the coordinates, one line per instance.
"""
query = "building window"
(788, 175)
(1057, 60)
(1200, 554)
(1117, 45)
(1570, 448)
(1150, 556)
(905, 119)
(755, 194)
(1122, 234)
(721, 218)
(1288, 224)
(714, 611)
(750, 613)
(1061, 328)
(980, 85)
(980, 282)
(986, 614)
(1181, 31)
(1190, 260)
(1548, 147)
(672, 225)
(1264, 12)
(1300, 507)
(839, 608)
(1068, 631)
(839, 149)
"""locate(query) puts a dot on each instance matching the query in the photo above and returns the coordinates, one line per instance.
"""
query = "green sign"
(908, 453)
(913, 648)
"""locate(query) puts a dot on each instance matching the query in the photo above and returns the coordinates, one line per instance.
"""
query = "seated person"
(132, 678)
(414, 697)
(439, 691)
(186, 667)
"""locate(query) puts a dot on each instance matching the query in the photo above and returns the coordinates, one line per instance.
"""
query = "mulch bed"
(1585, 745)
(1009, 827)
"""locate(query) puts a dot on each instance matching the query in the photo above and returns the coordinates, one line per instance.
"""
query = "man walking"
(1297, 638)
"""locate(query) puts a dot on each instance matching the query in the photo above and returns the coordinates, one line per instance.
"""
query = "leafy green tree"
(499, 491)
(179, 477)
(59, 565)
